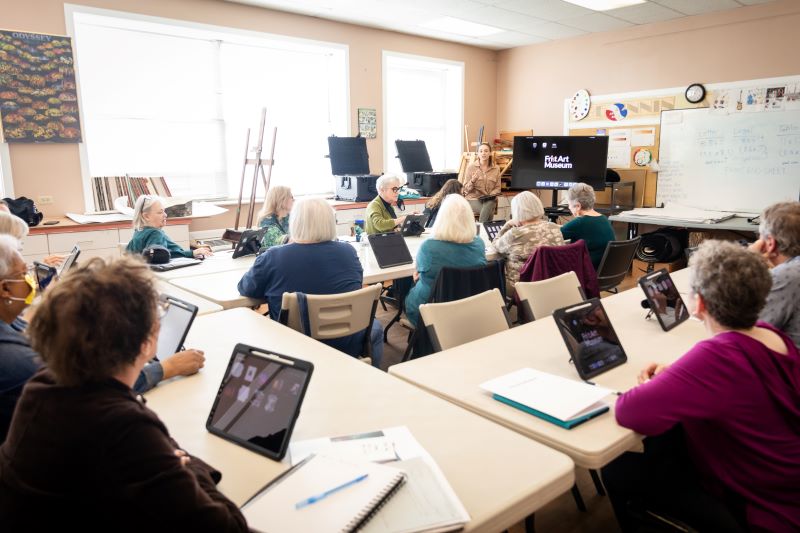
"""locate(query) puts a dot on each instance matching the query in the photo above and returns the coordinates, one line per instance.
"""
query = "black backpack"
(25, 209)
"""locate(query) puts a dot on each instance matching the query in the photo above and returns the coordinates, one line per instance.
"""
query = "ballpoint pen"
(322, 495)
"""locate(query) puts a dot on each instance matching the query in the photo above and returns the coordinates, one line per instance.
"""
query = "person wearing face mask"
(18, 361)
(482, 184)
(149, 219)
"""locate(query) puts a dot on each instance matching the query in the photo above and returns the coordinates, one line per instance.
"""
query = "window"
(174, 99)
(423, 99)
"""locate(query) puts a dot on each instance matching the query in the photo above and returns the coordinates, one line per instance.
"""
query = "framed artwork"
(367, 123)
(38, 97)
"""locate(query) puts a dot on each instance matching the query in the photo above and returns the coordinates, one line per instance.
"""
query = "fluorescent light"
(460, 27)
(604, 5)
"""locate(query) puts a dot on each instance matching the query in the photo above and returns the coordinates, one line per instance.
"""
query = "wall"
(751, 42)
(55, 169)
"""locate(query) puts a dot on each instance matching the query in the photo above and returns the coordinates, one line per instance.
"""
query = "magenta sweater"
(739, 404)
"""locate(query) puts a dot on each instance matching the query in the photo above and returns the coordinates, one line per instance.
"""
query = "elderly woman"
(149, 219)
(482, 183)
(380, 214)
(735, 398)
(313, 262)
(779, 245)
(524, 233)
(274, 215)
(452, 186)
(588, 224)
(453, 244)
(11, 224)
(80, 434)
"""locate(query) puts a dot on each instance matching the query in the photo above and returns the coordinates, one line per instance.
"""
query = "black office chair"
(616, 263)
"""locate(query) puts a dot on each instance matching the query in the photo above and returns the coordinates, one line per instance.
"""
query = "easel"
(258, 169)
(468, 157)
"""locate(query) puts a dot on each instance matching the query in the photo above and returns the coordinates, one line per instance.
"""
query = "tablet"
(590, 338)
(414, 225)
(259, 400)
(249, 243)
(45, 274)
(664, 299)
(390, 249)
(175, 324)
(69, 260)
(493, 227)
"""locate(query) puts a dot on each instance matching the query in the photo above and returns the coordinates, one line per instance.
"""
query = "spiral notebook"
(346, 508)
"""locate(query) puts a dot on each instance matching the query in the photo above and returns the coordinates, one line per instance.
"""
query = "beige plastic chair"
(451, 324)
(331, 316)
(539, 299)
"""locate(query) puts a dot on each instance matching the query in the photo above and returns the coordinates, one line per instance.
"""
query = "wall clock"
(695, 93)
(579, 104)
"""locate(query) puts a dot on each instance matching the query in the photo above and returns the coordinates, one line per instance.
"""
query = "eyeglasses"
(395, 189)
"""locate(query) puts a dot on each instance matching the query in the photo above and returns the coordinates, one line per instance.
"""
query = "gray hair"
(733, 282)
(9, 251)
(781, 221)
(312, 220)
(142, 207)
(526, 206)
(385, 182)
(581, 194)
(455, 221)
(12, 225)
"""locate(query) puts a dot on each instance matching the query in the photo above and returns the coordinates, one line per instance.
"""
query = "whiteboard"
(738, 162)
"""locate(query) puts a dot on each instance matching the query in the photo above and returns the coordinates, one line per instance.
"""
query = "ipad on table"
(414, 225)
(493, 228)
(590, 338)
(176, 262)
(259, 400)
(390, 249)
(175, 323)
(249, 243)
(664, 299)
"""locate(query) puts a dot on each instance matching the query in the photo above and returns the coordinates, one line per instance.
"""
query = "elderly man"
(380, 216)
(779, 245)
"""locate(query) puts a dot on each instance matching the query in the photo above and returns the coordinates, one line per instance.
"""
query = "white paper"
(619, 157)
(643, 137)
(681, 212)
(99, 219)
(559, 397)
(619, 138)
(396, 440)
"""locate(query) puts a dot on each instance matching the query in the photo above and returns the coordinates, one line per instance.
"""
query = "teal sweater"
(149, 236)
(596, 231)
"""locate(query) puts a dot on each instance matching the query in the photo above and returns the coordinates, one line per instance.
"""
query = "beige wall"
(748, 43)
(55, 169)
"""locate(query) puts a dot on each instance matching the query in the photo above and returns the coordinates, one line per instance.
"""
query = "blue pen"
(323, 495)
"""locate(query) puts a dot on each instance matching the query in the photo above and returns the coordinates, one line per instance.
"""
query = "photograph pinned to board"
(367, 123)
(775, 98)
(754, 99)
(792, 96)
(721, 104)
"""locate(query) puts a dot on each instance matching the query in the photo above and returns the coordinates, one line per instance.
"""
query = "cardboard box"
(640, 268)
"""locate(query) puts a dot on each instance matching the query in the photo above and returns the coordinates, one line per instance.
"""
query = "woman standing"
(149, 219)
(482, 184)
(274, 215)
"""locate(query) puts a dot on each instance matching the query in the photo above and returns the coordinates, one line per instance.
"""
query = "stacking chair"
(450, 324)
(616, 263)
(538, 299)
(331, 316)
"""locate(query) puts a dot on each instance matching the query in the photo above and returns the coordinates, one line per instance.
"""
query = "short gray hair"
(526, 206)
(312, 220)
(9, 251)
(455, 221)
(781, 221)
(582, 194)
(142, 207)
(12, 225)
(385, 182)
(733, 281)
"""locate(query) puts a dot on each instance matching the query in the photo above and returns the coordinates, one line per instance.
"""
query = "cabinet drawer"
(105, 253)
(34, 245)
(87, 240)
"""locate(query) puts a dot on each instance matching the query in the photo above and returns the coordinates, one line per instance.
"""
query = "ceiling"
(511, 22)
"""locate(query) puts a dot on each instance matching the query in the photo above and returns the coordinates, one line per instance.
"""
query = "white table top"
(732, 224)
(221, 288)
(499, 475)
(204, 306)
(219, 262)
(456, 373)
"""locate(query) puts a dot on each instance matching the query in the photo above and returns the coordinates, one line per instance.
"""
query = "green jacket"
(277, 230)
(378, 218)
(149, 236)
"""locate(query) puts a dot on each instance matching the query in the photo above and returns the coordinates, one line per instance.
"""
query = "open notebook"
(274, 508)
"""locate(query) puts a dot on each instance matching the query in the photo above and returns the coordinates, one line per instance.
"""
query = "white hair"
(143, 205)
(526, 206)
(581, 194)
(455, 221)
(12, 225)
(312, 220)
(9, 252)
(386, 181)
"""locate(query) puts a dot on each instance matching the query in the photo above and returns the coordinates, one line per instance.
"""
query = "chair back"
(550, 261)
(331, 316)
(451, 324)
(457, 283)
(538, 299)
(616, 263)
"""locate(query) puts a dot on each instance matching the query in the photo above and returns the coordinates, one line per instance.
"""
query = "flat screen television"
(559, 162)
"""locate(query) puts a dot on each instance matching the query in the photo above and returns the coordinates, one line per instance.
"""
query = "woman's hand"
(54, 260)
(415, 276)
(183, 363)
(651, 371)
(202, 251)
(183, 456)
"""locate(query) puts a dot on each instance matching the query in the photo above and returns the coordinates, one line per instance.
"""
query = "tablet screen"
(70, 260)
(259, 400)
(664, 299)
(390, 249)
(175, 326)
(590, 338)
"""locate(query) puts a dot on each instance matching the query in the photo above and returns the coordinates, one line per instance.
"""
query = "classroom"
(393, 265)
